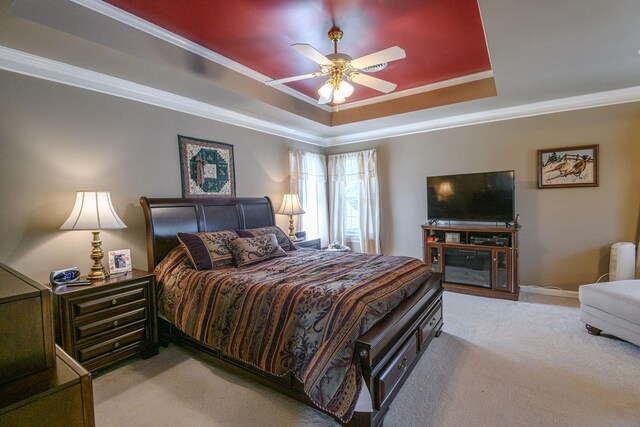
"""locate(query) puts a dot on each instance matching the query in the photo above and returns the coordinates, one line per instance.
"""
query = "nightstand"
(342, 249)
(109, 320)
(311, 244)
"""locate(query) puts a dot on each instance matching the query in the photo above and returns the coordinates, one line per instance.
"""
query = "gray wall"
(566, 233)
(57, 139)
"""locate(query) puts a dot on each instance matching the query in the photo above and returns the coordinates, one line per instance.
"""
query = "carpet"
(497, 363)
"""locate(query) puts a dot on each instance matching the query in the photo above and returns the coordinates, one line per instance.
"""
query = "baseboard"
(548, 291)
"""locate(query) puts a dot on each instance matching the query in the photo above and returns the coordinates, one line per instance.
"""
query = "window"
(353, 199)
(308, 174)
(352, 204)
(351, 212)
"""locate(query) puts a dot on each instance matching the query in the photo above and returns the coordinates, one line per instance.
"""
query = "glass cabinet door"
(434, 252)
(501, 270)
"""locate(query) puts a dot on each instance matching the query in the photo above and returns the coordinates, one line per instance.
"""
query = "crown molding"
(48, 69)
(580, 102)
(133, 21)
(416, 90)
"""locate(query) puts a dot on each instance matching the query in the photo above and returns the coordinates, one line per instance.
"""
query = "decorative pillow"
(207, 250)
(249, 250)
(283, 240)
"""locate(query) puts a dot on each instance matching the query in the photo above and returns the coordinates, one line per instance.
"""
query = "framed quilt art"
(206, 167)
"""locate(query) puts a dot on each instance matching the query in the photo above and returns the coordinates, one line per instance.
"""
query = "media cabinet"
(476, 260)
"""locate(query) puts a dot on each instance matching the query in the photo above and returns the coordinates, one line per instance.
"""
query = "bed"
(384, 355)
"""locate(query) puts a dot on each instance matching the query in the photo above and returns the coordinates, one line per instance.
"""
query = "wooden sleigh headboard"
(165, 218)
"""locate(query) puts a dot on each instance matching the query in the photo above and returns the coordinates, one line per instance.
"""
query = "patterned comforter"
(301, 313)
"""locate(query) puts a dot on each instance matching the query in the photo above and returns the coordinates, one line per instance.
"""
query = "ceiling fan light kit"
(340, 67)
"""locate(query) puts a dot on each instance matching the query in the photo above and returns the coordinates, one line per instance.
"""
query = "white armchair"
(612, 307)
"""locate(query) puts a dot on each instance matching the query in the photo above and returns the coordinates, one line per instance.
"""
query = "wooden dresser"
(60, 396)
(109, 320)
(26, 328)
(39, 383)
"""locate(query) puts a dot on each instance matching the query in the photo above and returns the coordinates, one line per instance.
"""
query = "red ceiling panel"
(443, 39)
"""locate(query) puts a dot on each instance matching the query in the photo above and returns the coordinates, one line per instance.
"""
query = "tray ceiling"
(443, 40)
(545, 58)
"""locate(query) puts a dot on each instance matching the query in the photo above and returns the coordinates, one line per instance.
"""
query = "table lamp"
(291, 206)
(93, 211)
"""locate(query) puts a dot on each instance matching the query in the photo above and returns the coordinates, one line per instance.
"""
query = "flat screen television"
(481, 197)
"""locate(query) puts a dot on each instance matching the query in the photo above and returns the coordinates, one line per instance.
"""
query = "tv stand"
(475, 259)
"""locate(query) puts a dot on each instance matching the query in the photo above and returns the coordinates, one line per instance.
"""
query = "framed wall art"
(568, 167)
(120, 261)
(206, 167)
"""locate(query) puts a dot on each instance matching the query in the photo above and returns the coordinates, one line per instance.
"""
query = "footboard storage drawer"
(430, 324)
(108, 320)
(392, 373)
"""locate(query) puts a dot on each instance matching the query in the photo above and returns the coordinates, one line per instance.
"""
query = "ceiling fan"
(341, 68)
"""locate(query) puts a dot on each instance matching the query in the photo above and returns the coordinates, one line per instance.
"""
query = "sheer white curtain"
(308, 174)
(354, 207)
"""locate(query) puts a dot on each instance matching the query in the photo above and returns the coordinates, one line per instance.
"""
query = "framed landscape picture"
(206, 167)
(568, 167)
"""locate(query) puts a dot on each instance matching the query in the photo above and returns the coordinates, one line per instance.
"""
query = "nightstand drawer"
(118, 343)
(108, 320)
(109, 324)
(85, 306)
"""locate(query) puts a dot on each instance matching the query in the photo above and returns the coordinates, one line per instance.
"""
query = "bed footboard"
(388, 352)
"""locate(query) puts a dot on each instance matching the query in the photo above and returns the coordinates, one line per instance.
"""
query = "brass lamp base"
(292, 236)
(98, 272)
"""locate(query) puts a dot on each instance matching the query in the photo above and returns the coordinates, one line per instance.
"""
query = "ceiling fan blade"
(386, 55)
(322, 100)
(292, 79)
(311, 53)
(373, 82)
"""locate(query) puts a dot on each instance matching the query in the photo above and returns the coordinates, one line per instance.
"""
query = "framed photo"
(119, 261)
(568, 167)
(206, 167)
(452, 237)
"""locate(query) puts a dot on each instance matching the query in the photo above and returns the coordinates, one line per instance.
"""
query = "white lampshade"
(338, 97)
(93, 211)
(345, 88)
(326, 90)
(290, 205)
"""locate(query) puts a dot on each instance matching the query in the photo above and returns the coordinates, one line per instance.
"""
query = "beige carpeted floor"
(497, 363)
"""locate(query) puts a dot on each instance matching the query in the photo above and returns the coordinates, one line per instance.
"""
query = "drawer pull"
(402, 365)
(114, 301)
(116, 345)
(115, 323)
(432, 322)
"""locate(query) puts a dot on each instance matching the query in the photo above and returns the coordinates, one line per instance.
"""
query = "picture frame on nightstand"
(120, 261)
